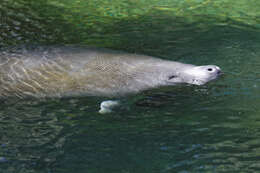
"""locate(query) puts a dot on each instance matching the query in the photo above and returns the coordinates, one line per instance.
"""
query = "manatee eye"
(171, 77)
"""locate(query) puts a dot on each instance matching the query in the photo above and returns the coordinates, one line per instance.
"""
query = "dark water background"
(211, 128)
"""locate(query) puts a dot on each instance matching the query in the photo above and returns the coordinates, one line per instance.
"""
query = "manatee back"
(35, 71)
(65, 70)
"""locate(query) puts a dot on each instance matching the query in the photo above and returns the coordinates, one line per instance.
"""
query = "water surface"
(211, 128)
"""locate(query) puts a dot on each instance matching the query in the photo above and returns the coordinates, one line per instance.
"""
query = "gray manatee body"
(81, 71)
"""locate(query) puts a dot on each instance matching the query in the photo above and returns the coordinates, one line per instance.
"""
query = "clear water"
(212, 128)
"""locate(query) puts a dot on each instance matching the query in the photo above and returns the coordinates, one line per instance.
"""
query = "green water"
(182, 129)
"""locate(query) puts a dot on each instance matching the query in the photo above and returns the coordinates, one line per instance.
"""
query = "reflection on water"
(212, 128)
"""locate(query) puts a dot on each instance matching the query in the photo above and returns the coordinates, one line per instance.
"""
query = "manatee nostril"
(210, 69)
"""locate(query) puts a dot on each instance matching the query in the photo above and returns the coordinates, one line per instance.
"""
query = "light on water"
(209, 128)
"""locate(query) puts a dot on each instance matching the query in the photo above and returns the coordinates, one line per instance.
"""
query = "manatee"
(61, 71)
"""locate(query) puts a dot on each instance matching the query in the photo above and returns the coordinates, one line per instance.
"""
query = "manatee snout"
(211, 69)
(203, 74)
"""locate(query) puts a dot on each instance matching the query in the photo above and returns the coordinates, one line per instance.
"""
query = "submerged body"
(79, 71)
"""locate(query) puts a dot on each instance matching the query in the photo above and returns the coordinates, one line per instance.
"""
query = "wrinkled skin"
(80, 71)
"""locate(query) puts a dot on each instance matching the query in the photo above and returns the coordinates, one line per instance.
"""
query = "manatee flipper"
(108, 106)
